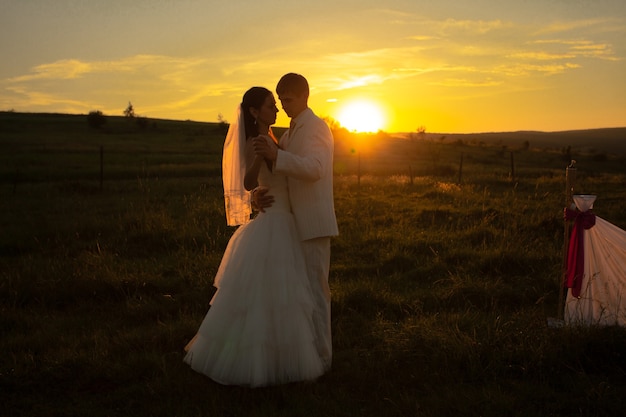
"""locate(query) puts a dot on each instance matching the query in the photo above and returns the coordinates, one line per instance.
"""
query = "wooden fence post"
(101, 167)
(358, 175)
(512, 168)
(461, 169)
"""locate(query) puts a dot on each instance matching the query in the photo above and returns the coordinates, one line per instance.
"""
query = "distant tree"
(96, 119)
(420, 133)
(333, 124)
(130, 111)
(222, 123)
(339, 131)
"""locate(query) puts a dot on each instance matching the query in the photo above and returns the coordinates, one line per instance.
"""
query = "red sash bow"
(576, 251)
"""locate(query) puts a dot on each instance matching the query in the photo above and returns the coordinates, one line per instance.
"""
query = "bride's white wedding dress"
(259, 329)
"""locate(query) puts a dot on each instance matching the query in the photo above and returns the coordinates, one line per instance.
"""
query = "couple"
(269, 321)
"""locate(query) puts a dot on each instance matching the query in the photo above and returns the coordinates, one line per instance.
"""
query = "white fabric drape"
(602, 299)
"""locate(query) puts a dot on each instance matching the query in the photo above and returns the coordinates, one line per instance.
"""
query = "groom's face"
(293, 104)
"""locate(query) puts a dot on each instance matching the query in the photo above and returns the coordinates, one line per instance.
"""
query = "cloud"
(570, 49)
(160, 82)
(25, 97)
(459, 82)
(577, 25)
(422, 38)
(65, 70)
(506, 48)
(68, 69)
(188, 100)
(480, 27)
(541, 56)
(525, 70)
(360, 81)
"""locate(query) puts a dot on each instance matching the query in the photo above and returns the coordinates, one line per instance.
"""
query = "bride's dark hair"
(254, 97)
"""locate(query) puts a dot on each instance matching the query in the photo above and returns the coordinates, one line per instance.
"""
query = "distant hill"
(607, 140)
(610, 140)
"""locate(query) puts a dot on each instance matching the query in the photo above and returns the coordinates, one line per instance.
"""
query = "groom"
(305, 156)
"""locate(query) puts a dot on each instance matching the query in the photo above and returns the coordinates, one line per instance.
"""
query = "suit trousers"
(317, 258)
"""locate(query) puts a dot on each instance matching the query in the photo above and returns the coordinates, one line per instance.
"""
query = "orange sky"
(454, 66)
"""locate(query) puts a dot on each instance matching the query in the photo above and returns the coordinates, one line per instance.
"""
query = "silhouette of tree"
(130, 111)
(96, 119)
(420, 133)
(222, 123)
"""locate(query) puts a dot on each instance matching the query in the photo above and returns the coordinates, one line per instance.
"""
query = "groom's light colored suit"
(306, 158)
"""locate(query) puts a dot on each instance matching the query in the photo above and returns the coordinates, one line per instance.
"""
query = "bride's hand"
(260, 199)
(264, 147)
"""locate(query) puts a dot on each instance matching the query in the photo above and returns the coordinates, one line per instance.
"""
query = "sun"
(361, 116)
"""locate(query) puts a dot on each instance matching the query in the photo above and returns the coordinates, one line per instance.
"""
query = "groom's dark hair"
(293, 83)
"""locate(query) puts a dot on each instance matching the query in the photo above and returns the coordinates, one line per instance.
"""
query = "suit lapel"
(300, 121)
(288, 137)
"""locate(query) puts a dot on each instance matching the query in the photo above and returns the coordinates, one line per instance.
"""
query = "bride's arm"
(253, 166)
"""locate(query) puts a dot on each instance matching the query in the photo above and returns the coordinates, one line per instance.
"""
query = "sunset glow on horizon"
(454, 66)
(361, 116)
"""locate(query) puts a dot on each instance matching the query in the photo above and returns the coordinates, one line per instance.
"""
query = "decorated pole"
(570, 181)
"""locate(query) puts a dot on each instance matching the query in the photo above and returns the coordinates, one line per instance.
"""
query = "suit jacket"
(306, 158)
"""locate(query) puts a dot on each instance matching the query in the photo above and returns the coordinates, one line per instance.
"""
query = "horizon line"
(342, 127)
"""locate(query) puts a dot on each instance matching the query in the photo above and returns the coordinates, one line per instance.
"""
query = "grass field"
(443, 277)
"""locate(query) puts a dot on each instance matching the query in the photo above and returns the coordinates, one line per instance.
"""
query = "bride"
(259, 329)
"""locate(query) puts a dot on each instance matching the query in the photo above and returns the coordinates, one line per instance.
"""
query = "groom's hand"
(261, 200)
(263, 147)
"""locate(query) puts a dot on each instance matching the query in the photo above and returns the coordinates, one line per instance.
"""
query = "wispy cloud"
(579, 48)
(164, 83)
(508, 49)
(38, 98)
(461, 82)
(541, 56)
(361, 81)
(563, 26)
(67, 69)
(422, 38)
(60, 70)
(525, 69)
(480, 27)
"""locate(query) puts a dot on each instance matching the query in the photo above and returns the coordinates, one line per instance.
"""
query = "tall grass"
(441, 290)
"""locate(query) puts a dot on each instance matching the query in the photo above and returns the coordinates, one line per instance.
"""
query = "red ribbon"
(576, 251)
